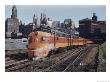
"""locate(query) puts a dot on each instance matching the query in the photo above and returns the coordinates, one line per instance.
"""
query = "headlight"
(45, 38)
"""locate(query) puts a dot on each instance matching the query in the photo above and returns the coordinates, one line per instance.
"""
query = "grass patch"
(102, 58)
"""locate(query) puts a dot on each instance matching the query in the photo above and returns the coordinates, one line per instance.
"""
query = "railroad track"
(54, 63)
(77, 62)
(13, 61)
(17, 65)
(60, 65)
(40, 65)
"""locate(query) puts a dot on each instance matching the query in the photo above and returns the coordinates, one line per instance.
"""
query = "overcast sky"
(57, 12)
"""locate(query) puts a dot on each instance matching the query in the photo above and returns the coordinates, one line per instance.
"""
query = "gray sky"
(57, 12)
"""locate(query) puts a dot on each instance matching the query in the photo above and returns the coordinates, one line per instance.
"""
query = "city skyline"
(57, 12)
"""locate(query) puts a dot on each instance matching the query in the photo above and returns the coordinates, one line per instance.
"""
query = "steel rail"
(62, 60)
(78, 58)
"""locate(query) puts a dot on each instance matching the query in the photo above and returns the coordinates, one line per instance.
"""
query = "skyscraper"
(14, 12)
(12, 24)
(35, 19)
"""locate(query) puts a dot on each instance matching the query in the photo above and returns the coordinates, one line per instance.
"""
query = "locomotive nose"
(32, 44)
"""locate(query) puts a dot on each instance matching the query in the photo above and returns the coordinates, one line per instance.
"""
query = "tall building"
(92, 28)
(14, 12)
(49, 22)
(35, 19)
(56, 24)
(12, 24)
(43, 19)
(69, 23)
(94, 18)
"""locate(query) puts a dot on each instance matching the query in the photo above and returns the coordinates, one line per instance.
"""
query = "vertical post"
(70, 37)
(54, 37)
(68, 40)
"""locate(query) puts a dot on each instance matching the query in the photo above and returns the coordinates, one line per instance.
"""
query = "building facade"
(92, 28)
(12, 24)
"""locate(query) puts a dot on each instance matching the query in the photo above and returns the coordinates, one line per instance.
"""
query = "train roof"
(57, 32)
(66, 34)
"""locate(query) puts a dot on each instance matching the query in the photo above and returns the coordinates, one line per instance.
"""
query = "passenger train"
(41, 43)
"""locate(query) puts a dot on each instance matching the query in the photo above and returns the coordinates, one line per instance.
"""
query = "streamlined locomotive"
(41, 43)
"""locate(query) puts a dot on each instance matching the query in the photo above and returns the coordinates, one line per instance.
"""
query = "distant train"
(41, 43)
